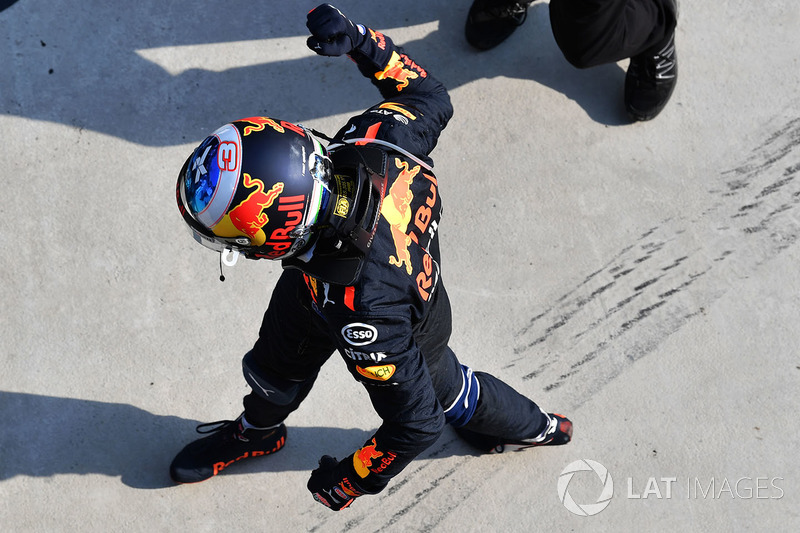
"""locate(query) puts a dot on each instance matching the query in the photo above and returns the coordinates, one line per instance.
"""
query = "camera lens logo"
(586, 509)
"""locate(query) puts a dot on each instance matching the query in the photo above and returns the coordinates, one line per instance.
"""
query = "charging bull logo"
(248, 217)
(396, 70)
(362, 459)
(396, 209)
(260, 123)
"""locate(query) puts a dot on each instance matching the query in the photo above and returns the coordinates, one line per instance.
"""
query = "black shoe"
(490, 22)
(650, 80)
(557, 432)
(228, 442)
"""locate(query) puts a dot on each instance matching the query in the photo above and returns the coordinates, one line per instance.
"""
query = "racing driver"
(353, 220)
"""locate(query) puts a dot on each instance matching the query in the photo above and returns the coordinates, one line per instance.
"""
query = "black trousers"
(595, 32)
(293, 345)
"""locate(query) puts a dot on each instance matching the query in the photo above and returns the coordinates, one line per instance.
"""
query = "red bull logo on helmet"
(260, 123)
(281, 239)
(248, 217)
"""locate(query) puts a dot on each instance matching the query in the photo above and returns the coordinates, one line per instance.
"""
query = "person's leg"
(653, 73)
(492, 416)
(280, 369)
(591, 32)
(485, 411)
(291, 348)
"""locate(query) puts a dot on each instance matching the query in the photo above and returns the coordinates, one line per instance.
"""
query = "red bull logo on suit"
(396, 209)
(409, 224)
(401, 69)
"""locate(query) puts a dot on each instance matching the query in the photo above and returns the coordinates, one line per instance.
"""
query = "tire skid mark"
(566, 296)
(420, 496)
(669, 275)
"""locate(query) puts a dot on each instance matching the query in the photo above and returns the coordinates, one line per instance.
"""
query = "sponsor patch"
(379, 373)
(359, 334)
(364, 356)
(342, 207)
(362, 459)
(398, 108)
(385, 462)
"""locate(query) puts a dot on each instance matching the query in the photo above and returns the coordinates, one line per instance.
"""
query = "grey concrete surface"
(639, 278)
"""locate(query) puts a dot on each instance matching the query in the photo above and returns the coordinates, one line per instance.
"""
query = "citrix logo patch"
(364, 356)
(359, 334)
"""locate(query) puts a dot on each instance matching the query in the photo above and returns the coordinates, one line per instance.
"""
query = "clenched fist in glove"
(332, 34)
(331, 484)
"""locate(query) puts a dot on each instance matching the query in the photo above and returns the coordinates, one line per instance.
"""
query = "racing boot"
(490, 22)
(228, 441)
(557, 432)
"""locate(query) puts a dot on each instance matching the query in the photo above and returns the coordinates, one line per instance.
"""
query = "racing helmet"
(265, 188)
(257, 186)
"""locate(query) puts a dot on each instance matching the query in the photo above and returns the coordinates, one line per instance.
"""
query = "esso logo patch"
(359, 334)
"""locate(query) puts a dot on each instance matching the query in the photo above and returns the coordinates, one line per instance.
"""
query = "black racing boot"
(490, 22)
(228, 441)
(650, 80)
(557, 432)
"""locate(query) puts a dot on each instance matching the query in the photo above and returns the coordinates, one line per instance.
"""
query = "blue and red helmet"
(258, 186)
(266, 188)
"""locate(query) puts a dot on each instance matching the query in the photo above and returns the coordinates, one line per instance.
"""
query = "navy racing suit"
(392, 325)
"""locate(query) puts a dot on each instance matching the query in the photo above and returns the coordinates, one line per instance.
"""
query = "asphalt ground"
(639, 278)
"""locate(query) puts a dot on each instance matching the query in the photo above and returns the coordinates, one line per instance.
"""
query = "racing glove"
(332, 484)
(332, 34)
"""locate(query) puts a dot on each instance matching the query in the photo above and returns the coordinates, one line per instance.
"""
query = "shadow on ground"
(44, 436)
(109, 87)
